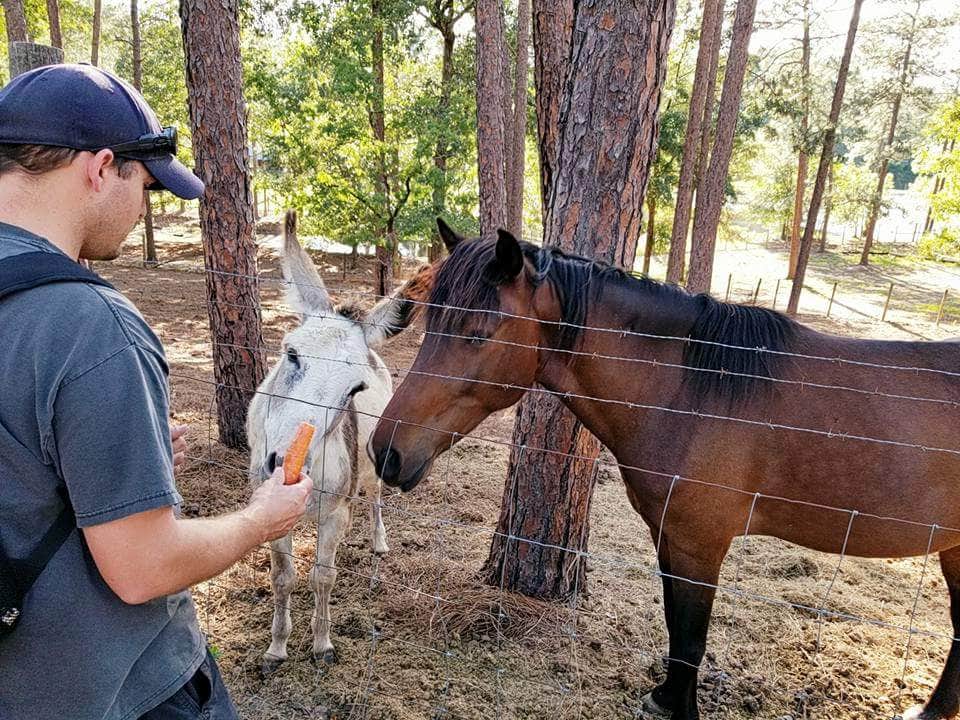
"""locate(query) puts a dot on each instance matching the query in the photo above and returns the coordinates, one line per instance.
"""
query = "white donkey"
(329, 375)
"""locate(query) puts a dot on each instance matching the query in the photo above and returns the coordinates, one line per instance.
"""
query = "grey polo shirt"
(84, 403)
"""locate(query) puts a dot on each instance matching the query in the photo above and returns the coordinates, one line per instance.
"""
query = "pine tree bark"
(518, 126)
(651, 232)
(211, 43)
(888, 144)
(149, 245)
(826, 160)
(53, 18)
(707, 217)
(698, 121)
(491, 139)
(802, 159)
(29, 55)
(95, 37)
(827, 206)
(552, 34)
(16, 20)
(607, 124)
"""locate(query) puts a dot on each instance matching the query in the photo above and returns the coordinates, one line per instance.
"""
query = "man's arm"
(153, 553)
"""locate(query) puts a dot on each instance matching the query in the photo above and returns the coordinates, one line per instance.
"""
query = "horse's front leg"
(283, 577)
(330, 532)
(689, 586)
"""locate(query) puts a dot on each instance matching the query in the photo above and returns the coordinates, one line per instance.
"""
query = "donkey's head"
(327, 360)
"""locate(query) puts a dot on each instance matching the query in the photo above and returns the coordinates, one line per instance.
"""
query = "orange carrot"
(297, 453)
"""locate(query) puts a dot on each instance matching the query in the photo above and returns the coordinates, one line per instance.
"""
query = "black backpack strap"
(18, 273)
(30, 270)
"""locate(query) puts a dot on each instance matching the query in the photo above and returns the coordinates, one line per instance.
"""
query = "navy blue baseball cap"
(86, 108)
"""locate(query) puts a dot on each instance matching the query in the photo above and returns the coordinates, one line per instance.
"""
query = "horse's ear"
(305, 292)
(449, 236)
(509, 261)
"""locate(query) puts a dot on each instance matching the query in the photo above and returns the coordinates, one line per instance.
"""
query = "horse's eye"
(292, 356)
(476, 339)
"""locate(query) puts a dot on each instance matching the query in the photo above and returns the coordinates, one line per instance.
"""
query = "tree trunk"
(53, 17)
(490, 125)
(518, 126)
(938, 182)
(385, 243)
(605, 139)
(211, 44)
(888, 145)
(16, 20)
(443, 144)
(95, 39)
(707, 217)
(149, 246)
(552, 34)
(802, 155)
(27, 56)
(826, 160)
(651, 232)
(697, 125)
(828, 204)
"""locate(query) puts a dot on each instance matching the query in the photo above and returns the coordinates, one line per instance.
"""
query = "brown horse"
(725, 420)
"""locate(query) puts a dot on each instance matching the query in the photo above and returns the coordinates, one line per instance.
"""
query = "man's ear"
(97, 166)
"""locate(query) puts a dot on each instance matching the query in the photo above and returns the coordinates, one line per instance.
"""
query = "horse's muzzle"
(389, 466)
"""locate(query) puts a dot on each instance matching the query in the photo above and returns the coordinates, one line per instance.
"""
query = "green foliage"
(943, 244)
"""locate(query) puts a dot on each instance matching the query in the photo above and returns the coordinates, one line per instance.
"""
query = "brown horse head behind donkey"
(726, 420)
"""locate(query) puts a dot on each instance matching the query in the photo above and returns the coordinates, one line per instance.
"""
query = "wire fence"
(419, 635)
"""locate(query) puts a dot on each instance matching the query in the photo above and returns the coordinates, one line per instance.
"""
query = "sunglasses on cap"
(148, 146)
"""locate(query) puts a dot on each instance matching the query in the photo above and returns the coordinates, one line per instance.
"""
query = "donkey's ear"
(305, 291)
(509, 261)
(395, 313)
(449, 236)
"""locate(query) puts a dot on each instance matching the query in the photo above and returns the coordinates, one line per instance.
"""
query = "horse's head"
(326, 360)
(479, 353)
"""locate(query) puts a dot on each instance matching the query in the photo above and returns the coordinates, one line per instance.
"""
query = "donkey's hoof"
(327, 657)
(270, 665)
(917, 712)
(381, 549)
(652, 708)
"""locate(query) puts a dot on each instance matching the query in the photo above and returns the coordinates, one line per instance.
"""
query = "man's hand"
(276, 507)
(178, 438)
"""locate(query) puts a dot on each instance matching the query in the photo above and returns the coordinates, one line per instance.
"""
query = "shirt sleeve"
(112, 438)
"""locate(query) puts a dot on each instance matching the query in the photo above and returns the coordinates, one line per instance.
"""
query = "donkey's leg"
(378, 540)
(945, 701)
(283, 577)
(688, 602)
(322, 576)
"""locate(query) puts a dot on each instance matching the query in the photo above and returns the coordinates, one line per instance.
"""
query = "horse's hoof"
(270, 665)
(381, 550)
(652, 708)
(327, 657)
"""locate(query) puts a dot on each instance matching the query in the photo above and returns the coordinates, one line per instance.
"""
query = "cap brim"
(174, 176)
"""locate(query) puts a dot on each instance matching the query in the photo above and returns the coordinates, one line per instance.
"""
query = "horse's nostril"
(271, 462)
(389, 464)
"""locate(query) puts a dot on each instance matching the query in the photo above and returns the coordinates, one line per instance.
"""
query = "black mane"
(725, 342)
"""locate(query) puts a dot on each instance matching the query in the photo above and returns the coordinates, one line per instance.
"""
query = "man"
(107, 631)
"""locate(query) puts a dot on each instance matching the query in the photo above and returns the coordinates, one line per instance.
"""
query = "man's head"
(81, 140)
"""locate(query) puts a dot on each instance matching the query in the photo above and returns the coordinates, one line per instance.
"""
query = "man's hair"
(40, 159)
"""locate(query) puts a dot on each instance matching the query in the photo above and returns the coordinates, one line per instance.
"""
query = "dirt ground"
(420, 637)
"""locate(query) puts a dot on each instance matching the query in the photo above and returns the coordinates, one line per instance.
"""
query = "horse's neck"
(619, 360)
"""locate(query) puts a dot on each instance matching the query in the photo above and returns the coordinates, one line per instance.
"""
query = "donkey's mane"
(716, 331)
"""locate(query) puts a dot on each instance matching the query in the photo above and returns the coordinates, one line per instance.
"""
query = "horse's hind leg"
(322, 576)
(945, 701)
(283, 577)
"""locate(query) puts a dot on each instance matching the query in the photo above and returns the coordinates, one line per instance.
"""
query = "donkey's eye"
(477, 338)
(293, 356)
